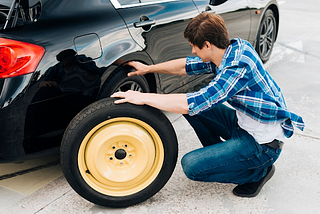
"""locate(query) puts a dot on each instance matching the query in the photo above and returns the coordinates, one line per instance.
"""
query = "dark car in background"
(59, 56)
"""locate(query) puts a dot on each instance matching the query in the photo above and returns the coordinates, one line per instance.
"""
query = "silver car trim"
(117, 5)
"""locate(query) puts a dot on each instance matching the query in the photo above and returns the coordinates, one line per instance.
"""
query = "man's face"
(203, 53)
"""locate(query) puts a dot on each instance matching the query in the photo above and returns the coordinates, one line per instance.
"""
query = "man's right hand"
(141, 69)
(173, 67)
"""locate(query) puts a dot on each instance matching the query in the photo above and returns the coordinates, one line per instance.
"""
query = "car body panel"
(105, 35)
(45, 115)
(231, 10)
(164, 39)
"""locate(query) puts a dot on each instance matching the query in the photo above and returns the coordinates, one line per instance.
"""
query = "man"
(240, 143)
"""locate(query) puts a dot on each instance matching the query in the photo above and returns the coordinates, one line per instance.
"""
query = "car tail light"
(18, 58)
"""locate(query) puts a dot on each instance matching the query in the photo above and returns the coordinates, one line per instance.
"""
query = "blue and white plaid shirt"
(242, 81)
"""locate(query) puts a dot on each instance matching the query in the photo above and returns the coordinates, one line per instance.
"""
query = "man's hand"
(175, 103)
(134, 97)
(173, 67)
(141, 69)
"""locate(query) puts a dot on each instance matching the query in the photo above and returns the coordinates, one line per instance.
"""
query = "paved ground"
(295, 188)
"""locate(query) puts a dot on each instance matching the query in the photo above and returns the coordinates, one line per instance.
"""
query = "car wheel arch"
(275, 11)
(151, 80)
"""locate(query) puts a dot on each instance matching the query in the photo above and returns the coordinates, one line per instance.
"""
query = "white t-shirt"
(261, 132)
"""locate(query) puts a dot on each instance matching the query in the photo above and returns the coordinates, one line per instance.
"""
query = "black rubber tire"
(266, 36)
(104, 110)
(119, 81)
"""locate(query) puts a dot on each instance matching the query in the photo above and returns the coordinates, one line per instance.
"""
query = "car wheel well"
(119, 76)
(151, 79)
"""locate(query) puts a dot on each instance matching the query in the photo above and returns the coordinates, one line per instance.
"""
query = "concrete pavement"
(294, 189)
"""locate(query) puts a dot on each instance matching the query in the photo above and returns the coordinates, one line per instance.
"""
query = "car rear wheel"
(266, 36)
(118, 155)
(119, 81)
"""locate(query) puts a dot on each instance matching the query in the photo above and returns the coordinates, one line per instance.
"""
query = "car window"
(18, 13)
(6, 2)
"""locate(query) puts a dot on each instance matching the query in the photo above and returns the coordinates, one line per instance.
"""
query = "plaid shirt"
(242, 81)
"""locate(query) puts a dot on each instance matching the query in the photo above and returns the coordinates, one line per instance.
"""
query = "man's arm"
(173, 67)
(175, 103)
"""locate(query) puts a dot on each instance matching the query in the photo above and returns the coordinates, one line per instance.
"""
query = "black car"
(60, 59)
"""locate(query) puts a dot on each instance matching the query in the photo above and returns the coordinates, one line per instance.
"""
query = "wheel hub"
(120, 154)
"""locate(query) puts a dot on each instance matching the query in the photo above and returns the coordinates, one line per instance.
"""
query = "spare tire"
(118, 155)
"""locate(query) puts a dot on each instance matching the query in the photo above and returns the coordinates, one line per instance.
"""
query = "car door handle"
(144, 23)
(208, 9)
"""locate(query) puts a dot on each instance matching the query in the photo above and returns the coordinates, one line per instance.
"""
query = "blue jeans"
(237, 159)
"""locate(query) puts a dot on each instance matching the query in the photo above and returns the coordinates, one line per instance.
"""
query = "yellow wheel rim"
(120, 156)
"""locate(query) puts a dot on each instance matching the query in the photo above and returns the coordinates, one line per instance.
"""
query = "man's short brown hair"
(207, 27)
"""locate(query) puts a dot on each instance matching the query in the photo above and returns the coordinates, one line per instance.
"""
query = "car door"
(236, 14)
(158, 26)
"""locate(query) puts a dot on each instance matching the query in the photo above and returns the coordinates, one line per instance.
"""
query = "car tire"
(266, 36)
(119, 81)
(118, 155)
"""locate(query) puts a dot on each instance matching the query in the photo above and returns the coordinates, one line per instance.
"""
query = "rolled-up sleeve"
(225, 85)
(193, 105)
(195, 66)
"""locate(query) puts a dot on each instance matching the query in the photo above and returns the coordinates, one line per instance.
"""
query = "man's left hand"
(134, 97)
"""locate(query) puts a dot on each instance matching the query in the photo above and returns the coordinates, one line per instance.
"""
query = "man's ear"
(207, 44)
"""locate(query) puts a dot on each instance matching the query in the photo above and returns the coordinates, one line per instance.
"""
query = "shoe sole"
(267, 178)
